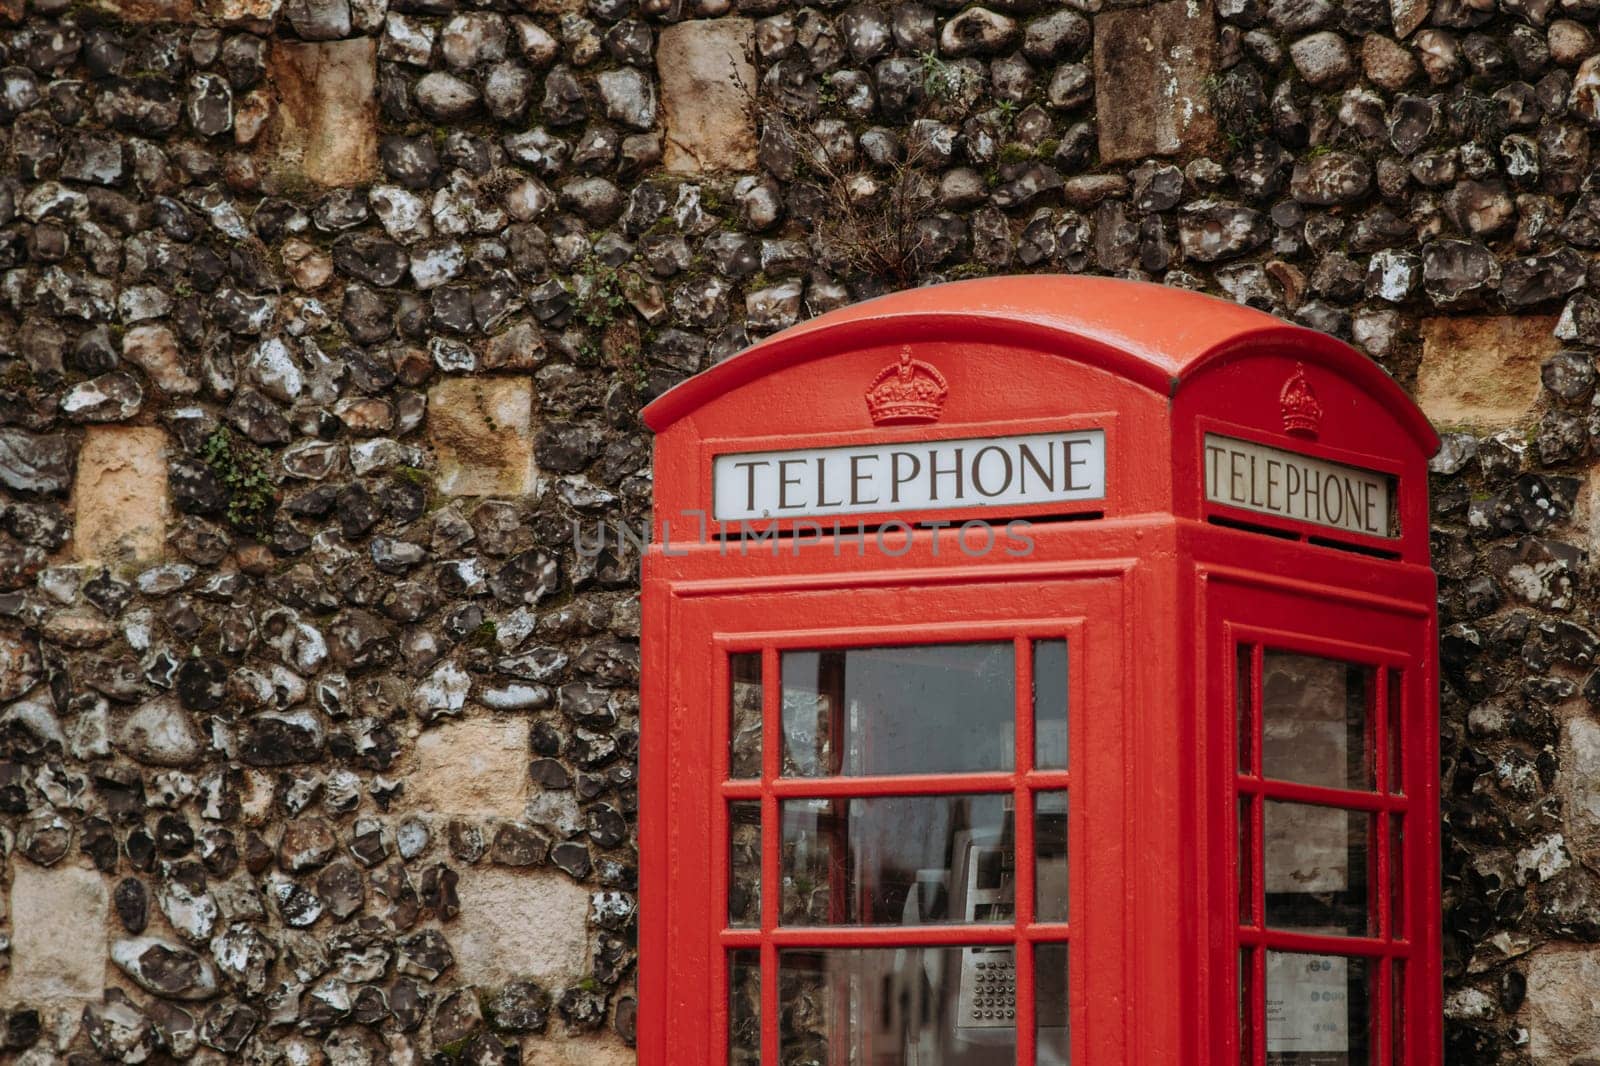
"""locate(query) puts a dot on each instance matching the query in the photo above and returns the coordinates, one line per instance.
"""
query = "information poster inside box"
(1308, 1007)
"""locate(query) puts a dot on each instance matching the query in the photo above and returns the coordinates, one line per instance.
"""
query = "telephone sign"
(1161, 789)
(1256, 477)
(911, 476)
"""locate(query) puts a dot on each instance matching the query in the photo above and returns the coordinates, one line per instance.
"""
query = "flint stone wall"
(322, 321)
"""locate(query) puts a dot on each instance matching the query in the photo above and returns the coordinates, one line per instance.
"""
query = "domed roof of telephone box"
(1155, 335)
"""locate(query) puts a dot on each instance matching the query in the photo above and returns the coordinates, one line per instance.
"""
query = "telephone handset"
(981, 981)
(988, 985)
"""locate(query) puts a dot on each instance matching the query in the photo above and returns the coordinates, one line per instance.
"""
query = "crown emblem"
(1302, 414)
(906, 391)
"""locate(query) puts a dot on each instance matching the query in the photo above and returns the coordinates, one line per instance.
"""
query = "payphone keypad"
(988, 989)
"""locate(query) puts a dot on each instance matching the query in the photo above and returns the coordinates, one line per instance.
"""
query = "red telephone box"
(1040, 670)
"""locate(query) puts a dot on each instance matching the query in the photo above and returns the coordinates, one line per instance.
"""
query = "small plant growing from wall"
(242, 470)
(602, 305)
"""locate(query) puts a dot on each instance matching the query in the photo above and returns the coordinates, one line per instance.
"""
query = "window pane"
(1242, 707)
(744, 1008)
(887, 1006)
(898, 860)
(1314, 720)
(1396, 732)
(1397, 1011)
(1397, 876)
(1050, 704)
(744, 704)
(1316, 868)
(946, 708)
(1317, 1010)
(1247, 999)
(1050, 855)
(744, 864)
(1050, 1005)
(1247, 865)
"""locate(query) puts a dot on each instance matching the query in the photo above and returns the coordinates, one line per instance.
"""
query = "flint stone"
(165, 969)
(1458, 271)
(188, 907)
(427, 955)
(1536, 278)
(1210, 230)
(154, 349)
(118, 1030)
(1331, 178)
(160, 733)
(445, 97)
(282, 739)
(19, 664)
(1323, 59)
(31, 462)
(978, 31)
(629, 97)
(1388, 65)
(319, 20)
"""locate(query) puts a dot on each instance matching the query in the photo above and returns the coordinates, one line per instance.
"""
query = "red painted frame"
(1157, 589)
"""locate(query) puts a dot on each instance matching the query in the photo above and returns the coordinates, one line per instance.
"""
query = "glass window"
(898, 860)
(1050, 856)
(1247, 864)
(744, 1008)
(1316, 868)
(1314, 720)
(744, 714)
(1317, 1008)
(1396, 733)
(893, 1006)
(1242, 685)
(1397, 1011)
(744, 864)
(1050, 1005)
(1397, 876)
(1050, 704)
(943, 708)
(1247, 1000)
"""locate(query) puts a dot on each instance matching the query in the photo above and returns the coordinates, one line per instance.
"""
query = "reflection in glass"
(1317, 1010)
(899, 1007)
(1316, 868)
(744, 864)
(1050, 851)
(1050, 704)
(946, 708)
(744, 1008)
(1314, 720)
(897, 860)
(1050, 1004)
(744, 715)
